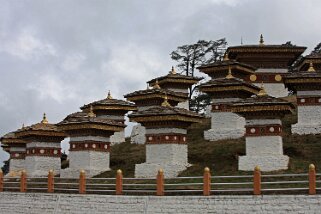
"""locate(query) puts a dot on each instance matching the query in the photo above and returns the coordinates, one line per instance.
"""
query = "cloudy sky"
(56, 55)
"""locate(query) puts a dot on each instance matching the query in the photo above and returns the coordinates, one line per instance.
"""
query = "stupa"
(271, 61)
(264, 145)
(307, 86)
(43, 148)
(166, 143)
(314, 58)
(113, 109)
(151, 97)
(223, 91)
(17, 149)
(89, 142)
(177, 83)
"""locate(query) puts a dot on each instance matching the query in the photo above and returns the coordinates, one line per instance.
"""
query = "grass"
(220, 156)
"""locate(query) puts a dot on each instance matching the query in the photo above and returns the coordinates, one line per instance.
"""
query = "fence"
(206, 185)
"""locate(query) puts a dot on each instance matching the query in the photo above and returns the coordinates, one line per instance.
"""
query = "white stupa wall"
(137, 135)
(274, 89)
(117, 137)
(224, 125)
(17, 164)
(264, 151)
(309, 116)
(39, 166)
(93, 162)
(171, 157)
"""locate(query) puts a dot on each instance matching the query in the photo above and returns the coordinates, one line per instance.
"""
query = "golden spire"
(91, 112)
(261, 40)
(23, 126)
(156, 85)
(166, 103)
(226, 57)
(44, 119)
(109, 95)
(229, 75)
(311, 68)
(172, 71)
(262, 92)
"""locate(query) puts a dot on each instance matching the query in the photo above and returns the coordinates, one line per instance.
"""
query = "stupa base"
(118, 137)
(138, 134)
(303, 129)
(38, 166)
(266, 163)
(219, 134)
(150, 170)
(74, 173)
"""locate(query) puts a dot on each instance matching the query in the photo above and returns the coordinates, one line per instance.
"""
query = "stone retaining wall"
(72, 203)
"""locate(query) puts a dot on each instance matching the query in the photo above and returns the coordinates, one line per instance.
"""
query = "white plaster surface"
(93, 162)
(264, 145)
(308, 93)
(264, 122)
(180, 90)
(166, 131)
(274, 89)
(225, 125)
(36, 203)
(17, 149)
(38, 166)
(166, 153)
(265, 162)
(138, 134)
(184, 105)
(17, 165)
(272, 70)
(309, 120)
(117, 137)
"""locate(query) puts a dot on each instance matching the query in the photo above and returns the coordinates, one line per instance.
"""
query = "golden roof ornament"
(109, 95)
(261, 40)
(172, 71)
(226, 57)
(262, 92)
(156, 85)
(44, 119)
(229, 75)
(166, 103)
(311, 68)
(91, 112)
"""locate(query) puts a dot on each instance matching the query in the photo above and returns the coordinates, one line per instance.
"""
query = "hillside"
(221, 156)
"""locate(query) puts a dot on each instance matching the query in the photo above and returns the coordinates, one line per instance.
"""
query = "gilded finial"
(262, 92)
(206, 169)
(156, 85)
(119, 171)
(44, 119)
(160, 171)
(91, 112)
(311, 68)
(109, 95)
(261, 40)
(229, 75)
(257, 168)
(172, 71)
(226, 57)
(311, 167)
(166, 103)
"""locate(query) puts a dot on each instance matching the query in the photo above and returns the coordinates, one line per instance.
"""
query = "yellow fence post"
(82, 182)
(51, 181)
(1, 180)
(206, 182)
(312, 180)
(119, 182)
(160, 183)
(23, 181)
(257, 181)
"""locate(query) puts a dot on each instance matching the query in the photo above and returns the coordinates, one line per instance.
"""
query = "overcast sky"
(57, 55)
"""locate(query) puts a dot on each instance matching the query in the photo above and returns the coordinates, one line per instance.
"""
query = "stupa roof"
(156, 93)
(83, 120)
(110, 104)
(228, 83)
(224, 64)
(11, 138)
(165, 113)
(314, 58)
(262, 103)
(40, 129)
(173, 77)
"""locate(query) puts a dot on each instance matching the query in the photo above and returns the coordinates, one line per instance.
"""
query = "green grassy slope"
(221, 156)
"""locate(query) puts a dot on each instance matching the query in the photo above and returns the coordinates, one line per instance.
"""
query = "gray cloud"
(57, 55)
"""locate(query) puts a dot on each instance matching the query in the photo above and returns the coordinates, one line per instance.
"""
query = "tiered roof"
(314, 58)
